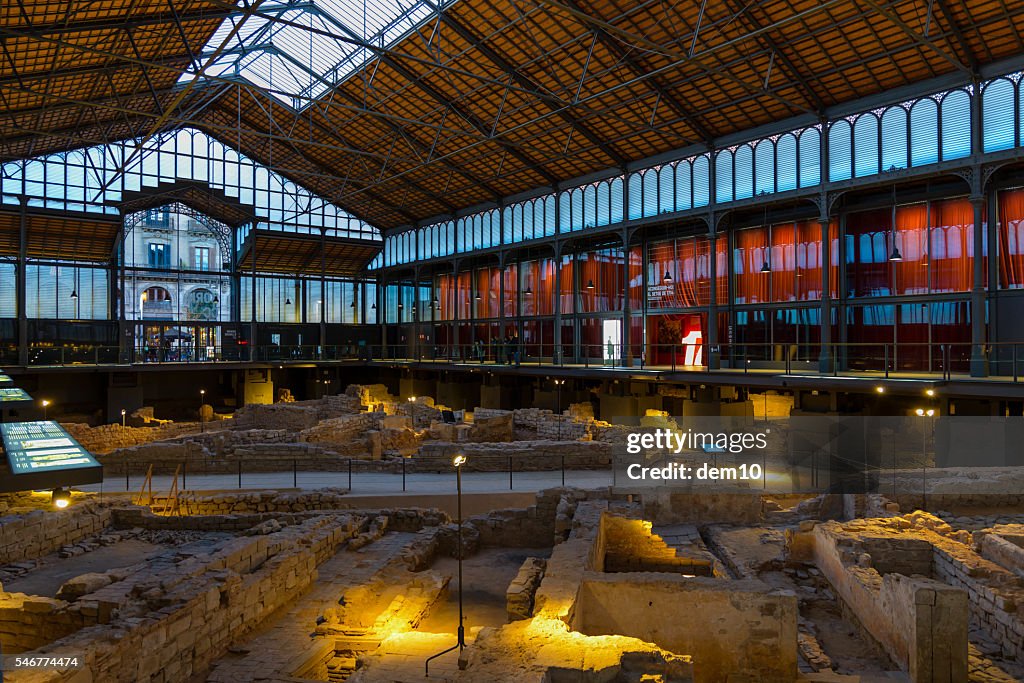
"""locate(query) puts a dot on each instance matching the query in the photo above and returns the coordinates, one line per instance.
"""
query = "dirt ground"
(486, 576)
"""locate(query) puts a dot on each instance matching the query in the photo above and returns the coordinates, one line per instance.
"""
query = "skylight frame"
(298, 66)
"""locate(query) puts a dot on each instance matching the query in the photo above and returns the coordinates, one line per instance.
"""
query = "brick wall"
(41, 532)
(207, 608)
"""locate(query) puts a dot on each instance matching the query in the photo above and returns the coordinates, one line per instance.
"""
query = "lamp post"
(921, 412)
(558, 408)
(457, 462)
(123, 412)
(202, 402)
(412, 410)
(46, 404)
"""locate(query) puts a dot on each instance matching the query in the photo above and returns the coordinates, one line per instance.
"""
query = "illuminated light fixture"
(459, 460)
(880, 390)
(373, 307)
(895, 255)
(921, 412)
(60, 498)
(352, 305)
(929, 392)
(528, 292)
(436, 302)
(74, 294)
(477, 297)
(216, 299)
(766, 268)
(668, 277)
(590, 284)
(401, 305)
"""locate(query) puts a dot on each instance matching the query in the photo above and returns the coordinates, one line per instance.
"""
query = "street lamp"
(921, 412)
(412, 410)
(558, 408)
(202, 402)
(46, 404)
(123, 412)
(458, 461)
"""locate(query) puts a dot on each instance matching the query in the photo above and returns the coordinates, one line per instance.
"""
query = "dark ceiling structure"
(485, 99)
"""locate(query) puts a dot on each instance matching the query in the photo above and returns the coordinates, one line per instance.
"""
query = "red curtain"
(636, 278)
(1011, 239)
(464, 295)
(911, 238)
(750, 255)
(783, 262)
(604, 270)
(951, 245)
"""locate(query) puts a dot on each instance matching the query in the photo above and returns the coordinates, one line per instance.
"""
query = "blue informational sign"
(40, 447)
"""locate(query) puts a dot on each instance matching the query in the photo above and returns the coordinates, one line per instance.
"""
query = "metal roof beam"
(553, 102)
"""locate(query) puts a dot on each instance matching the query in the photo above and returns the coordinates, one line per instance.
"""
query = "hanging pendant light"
(288, 301)
(668, 278)
(766, 268)
(895, 255)
(74, 294)
(590, 284)
(528, 292)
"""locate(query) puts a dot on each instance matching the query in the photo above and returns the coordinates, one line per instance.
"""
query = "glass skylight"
(299, 49)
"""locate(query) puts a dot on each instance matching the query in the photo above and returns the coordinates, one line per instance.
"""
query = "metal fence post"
(403, 474)
(239, 473)
(350, 474)
(563, 470)
(510, 473)
(295, 473)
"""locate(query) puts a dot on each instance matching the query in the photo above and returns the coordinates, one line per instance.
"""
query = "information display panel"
(13, 395)
(42, 455)
(5, 380)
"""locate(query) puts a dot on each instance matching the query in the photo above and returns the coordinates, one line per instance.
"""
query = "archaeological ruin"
(341, 538)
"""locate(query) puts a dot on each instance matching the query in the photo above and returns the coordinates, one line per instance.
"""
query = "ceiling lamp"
(288, 301)
(668, 278)
(590, 284)
(74, 294)
(766, 268)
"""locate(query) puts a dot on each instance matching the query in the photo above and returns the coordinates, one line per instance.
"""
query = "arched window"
(701, 181)
(508, 234)
(785, 163)
(894, 138)
(684, 192)
(723, 177)
(603, 204)
(550, 220)
(650, 192)
(764, 166)
(956, 125)
(666, 189)
(840, 151)
(590, 207)
(997, 116)
(744, 172)
(924, 132)
(865, 145)
(616, 197)
(577, 209)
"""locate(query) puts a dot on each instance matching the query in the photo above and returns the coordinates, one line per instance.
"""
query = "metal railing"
(912, 359)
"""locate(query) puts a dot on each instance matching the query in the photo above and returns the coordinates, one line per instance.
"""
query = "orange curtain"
(722, 270)
(783, 262)
(446, 297)
(911, 238)
(1011, 239)
(750, 255)
(636, 278)
(686, 290)
(951, 243)
(511, 276)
